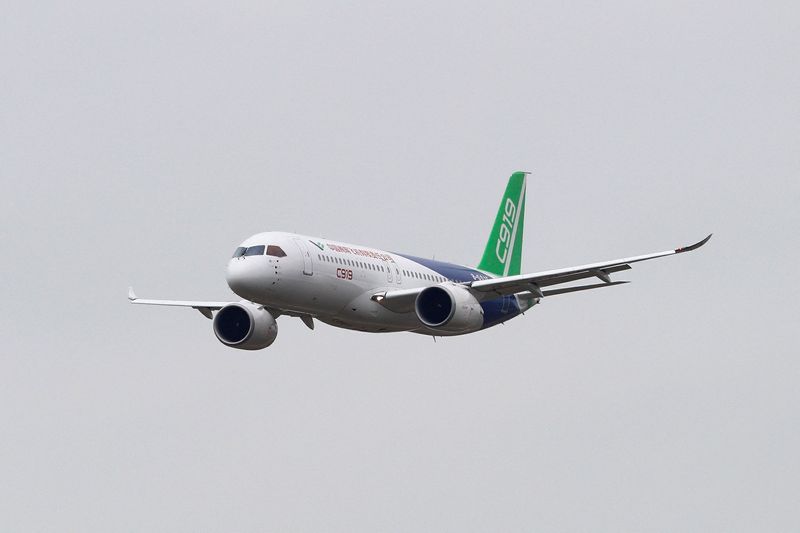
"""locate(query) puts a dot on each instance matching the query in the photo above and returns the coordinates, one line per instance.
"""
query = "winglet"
(131, 294)
(694, 246)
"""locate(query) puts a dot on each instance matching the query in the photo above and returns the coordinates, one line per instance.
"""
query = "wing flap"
(555, 292)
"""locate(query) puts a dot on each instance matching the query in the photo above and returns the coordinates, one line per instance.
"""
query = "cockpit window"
(239, 251)
(275, 251)
(255, 250)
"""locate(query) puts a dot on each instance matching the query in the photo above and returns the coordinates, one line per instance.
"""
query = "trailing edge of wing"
(555, 292)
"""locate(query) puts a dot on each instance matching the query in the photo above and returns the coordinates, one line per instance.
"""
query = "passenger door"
(308, 262)
(388, 268)
(397, 273)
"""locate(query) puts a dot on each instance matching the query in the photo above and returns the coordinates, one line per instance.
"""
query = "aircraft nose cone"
(243, 277)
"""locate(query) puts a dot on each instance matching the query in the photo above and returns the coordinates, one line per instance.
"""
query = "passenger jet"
(367, 289)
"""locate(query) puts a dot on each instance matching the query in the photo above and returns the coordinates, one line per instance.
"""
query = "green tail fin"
(503, 254)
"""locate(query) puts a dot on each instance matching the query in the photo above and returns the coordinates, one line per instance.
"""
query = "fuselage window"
(274, 251)
(255, 250)
(239, 251)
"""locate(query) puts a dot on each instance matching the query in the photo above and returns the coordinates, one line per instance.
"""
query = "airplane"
(372, 290)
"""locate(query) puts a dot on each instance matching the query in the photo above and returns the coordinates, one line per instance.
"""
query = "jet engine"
(245, 325)
(449, 309)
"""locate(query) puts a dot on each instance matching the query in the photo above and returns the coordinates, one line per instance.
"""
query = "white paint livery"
(367, 289)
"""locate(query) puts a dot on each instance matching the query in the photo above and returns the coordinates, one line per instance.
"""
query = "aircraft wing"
(488, 289)
(204, 307)
(533, 283)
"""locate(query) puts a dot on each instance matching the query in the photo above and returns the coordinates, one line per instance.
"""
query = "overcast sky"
(140, 142)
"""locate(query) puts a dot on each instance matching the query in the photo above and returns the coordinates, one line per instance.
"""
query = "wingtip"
(694, 246)
(131, 294)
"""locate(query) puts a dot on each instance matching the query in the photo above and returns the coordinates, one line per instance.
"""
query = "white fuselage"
(335, 282)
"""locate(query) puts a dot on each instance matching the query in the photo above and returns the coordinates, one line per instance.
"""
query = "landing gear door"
(308, 262)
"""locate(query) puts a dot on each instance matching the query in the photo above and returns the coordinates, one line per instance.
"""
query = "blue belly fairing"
(495, 311)
(499, 310)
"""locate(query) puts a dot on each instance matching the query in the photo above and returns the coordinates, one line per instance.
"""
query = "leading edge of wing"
(204, 307)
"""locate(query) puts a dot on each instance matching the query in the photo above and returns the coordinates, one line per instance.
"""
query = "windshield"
(255, 250)
(275, 251)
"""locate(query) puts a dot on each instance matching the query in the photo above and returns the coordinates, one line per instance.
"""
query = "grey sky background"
(141, 142)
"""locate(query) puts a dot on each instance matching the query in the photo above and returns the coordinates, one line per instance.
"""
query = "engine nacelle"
(449, 309)
(245, 326)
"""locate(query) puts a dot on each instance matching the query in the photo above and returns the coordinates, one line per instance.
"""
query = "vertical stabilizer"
(503, 254)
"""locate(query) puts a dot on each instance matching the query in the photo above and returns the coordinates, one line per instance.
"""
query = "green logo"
(317, 244)
(503, 253)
